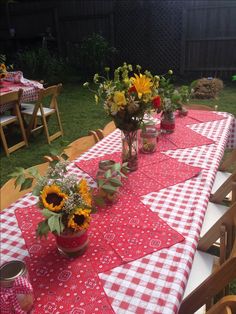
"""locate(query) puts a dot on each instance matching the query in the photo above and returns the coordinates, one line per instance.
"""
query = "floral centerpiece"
(3, 68)
(171, 99)
(65, 204)
(126, 97)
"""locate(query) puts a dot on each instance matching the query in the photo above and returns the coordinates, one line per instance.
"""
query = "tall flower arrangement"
(127, 95)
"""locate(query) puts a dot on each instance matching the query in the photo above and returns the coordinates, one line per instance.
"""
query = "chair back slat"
(11, 97)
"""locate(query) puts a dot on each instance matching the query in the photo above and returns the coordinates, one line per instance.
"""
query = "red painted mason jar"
(72, 244)
(168, 122)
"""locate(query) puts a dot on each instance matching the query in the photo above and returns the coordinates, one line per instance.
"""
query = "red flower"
(156, 101)
(132, 90)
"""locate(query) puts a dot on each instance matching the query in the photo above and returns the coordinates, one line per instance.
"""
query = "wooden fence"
(189, 36)
(208, 42)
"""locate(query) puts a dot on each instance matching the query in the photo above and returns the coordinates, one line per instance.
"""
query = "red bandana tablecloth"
(156, 171)
(119, 233)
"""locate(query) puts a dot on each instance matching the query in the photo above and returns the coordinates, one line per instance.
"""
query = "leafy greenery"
(40, 64)
(109, 182)
(95, 52)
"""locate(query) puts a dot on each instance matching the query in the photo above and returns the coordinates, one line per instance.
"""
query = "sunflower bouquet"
(65, 203)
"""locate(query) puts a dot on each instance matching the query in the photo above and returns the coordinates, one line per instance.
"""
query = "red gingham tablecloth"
(156, 282)
(30, 91)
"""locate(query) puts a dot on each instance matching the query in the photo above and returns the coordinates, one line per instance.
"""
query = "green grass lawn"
(79, 114)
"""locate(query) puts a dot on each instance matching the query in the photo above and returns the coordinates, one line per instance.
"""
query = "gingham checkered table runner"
(30, 93)
(156, 282)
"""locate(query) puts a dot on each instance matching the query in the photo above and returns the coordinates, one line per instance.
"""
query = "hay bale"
(207, 88)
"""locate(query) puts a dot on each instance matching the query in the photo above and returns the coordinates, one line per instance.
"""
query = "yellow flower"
(80, 219)
(142, 84)
(84, 192)
(3, 67)
(52, 198)
(96, 98)
(119, 98)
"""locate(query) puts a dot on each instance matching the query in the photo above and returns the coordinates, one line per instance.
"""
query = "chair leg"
(44, 122)
(4, 142)
(18, 114)
(59, 122)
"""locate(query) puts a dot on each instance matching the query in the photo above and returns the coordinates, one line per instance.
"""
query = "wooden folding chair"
(227, 305)
(81, 145)
(223, 178)
(203, 284)
(38, 111)
(12, 98)
(222, 189)
(109, 128)
(9, 193)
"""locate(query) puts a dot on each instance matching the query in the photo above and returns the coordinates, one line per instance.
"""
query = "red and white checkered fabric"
(30, 90)
(156, 282)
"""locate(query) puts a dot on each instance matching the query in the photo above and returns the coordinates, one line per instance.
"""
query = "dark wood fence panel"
(209, 38)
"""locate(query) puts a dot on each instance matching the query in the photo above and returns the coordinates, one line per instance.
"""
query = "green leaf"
(109, 188)
(34, 172)
(42, 229)
(18, 171)
(116, 182)
(116, 166)
(108, 173)
(48, 213)
(20, 180)
(100, 182)
(36, 190)
(54, 224)
(54, 151)
(26, 184)
(62, 227)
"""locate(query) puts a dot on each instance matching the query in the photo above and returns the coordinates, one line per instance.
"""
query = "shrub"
(40, 64)
(95, 53)
(207, 88)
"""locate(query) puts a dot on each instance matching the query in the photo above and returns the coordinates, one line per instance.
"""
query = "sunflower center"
(79, 219)
(54, 198)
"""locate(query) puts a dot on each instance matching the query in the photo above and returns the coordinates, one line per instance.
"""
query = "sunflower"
(84, 192)
(142, 84)
(80, 219)
(53, 198)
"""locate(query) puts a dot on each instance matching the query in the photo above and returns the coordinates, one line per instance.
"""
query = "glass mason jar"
(15, 285)
(148, 139)
(107, 196)
(103, 166)
(168, 122)
(130, 149)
